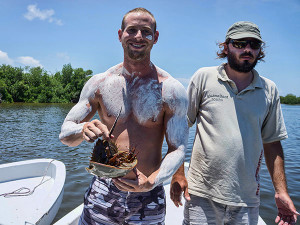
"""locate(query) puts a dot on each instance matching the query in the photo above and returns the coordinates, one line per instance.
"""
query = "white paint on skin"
(162, 72)
(91, 87)
(175, 96)
(140, 96)
(114, 95)
(149, 37)
(136, 73)
(70, 128)
(72, 121)
(124, 71)
(170, 165)
(177, 130)
(177, 100)
(146, 99)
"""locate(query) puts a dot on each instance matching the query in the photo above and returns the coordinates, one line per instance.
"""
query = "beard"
(243, 67)
(136, 55)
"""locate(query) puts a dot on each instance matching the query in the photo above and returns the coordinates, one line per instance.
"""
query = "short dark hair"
(221, 53)
(136, 10)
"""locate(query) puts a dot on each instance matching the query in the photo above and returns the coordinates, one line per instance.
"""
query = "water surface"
(29, 131)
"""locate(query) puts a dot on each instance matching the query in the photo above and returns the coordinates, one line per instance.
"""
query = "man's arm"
(176, 137)
(179, 182)
(275, 162)
(76, 127)
(72, 128)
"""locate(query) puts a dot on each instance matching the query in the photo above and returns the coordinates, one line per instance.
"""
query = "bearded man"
(239, 120)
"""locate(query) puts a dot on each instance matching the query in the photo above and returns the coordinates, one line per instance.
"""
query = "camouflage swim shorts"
(105, 204)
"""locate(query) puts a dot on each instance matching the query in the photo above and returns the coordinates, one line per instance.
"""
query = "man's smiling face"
(138, 36)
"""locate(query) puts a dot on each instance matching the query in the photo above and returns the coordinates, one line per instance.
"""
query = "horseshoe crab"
(108, 161)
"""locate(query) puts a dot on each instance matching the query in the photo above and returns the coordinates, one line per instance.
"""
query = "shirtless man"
(154, 106)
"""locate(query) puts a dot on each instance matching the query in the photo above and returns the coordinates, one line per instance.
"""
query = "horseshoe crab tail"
(113, 126)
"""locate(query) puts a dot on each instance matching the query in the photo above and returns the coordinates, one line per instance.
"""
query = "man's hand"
(287, 213)
(274, 158)
(179, 184)
(95, 129)
(140, 184)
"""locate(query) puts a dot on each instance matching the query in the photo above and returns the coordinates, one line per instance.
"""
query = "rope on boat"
(24, 191)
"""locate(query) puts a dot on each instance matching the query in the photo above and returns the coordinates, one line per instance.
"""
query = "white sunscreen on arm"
(175, 96)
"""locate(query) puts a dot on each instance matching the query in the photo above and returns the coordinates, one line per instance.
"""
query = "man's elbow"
(69, 141)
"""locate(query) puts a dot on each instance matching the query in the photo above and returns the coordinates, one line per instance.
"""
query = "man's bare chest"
(139, 97)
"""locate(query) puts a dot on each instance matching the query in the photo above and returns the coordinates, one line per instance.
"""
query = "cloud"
(24, 60)
(47, 14)
(64, 56)
(4, 59)
(29, 61)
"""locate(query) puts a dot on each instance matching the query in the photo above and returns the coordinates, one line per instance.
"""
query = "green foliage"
(4, 94)
(36, 85)
(290, 99)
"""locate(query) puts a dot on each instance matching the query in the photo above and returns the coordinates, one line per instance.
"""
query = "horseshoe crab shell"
(103, 170)
(108, 161)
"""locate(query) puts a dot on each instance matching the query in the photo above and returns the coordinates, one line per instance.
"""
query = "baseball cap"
(243, 29)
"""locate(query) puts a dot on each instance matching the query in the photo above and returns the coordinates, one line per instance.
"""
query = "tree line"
(290, 99)
(34, 84)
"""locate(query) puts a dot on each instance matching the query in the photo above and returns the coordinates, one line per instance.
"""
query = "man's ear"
(156, 34)
(120, 32)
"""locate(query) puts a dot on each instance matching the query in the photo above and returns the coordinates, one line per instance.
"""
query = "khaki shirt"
(231, 129)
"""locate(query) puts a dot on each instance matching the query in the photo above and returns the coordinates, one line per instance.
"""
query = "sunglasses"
(254, 44)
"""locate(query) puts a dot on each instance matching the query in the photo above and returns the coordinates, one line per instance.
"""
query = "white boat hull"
(42, 205)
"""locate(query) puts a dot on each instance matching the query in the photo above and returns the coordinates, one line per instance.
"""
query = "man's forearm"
(180, 171)
(71, 130)
(275, 162)
(170, 165)
(71, 133)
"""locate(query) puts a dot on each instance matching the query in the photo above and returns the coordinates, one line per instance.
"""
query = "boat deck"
(14, 205)
(174, 215)
(38, 187)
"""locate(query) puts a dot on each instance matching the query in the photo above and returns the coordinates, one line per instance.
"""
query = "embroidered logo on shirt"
(217, 97)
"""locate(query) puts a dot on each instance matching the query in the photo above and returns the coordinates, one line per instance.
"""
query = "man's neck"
(138, 68)
(242, 80)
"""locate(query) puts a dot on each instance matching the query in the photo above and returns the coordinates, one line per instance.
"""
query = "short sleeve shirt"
(231, 129)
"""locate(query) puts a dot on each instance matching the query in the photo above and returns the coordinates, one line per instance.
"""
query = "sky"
(52, 33)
